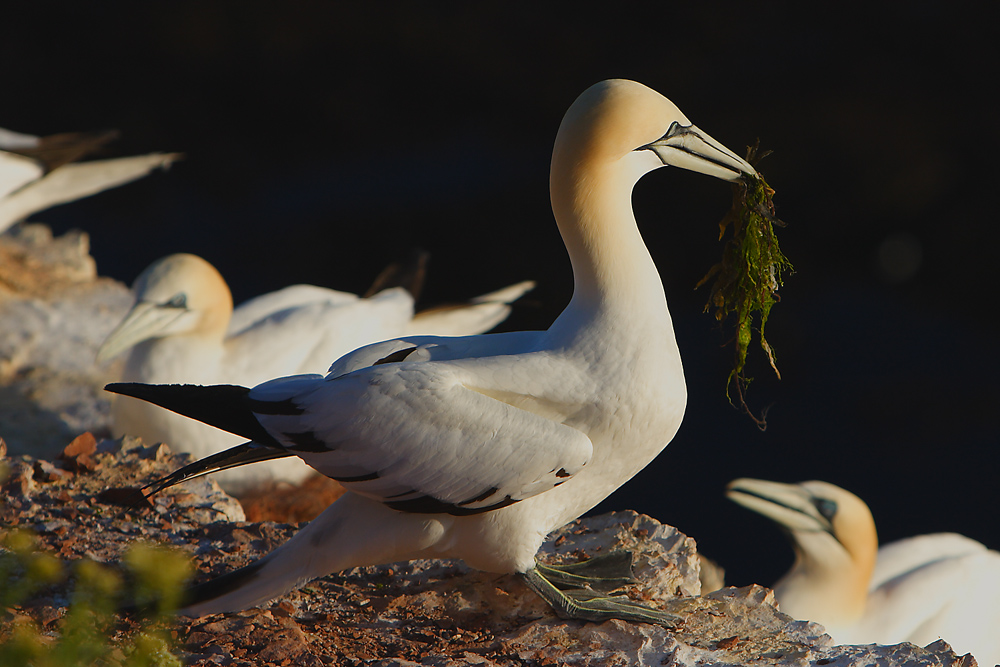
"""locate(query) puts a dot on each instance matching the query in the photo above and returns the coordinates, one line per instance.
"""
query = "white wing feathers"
(906, 555)
(17, 171)
(400, 433)
(309, 335)
(254, 310)
(479, 314)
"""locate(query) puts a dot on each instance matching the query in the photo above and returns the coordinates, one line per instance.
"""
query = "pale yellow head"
(833, 534)
(176, 295)
(615, 132)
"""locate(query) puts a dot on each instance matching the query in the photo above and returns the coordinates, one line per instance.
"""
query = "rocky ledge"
(426, 612)
(55, 311)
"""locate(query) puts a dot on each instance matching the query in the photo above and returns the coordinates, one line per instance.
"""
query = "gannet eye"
(178, 300)
(826, 507)
(672, 131)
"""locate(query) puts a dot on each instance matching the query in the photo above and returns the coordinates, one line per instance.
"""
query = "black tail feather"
(240, 455)
(224, 406)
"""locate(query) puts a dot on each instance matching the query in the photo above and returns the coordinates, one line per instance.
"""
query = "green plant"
(749, 275)
(155, 577)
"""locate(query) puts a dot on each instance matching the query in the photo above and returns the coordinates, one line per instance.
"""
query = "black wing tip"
(222, 584)
(133, 388)
(432, 505)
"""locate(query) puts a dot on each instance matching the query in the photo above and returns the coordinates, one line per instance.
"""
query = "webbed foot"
(581, 590)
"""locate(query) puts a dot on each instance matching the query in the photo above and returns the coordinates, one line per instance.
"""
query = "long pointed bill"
(146, 320)
(788, 505)
(687, 147)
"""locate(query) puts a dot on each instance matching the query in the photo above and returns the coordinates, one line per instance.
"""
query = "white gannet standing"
(37, 173)
(183, 328)
(477, 447)
(921, 589)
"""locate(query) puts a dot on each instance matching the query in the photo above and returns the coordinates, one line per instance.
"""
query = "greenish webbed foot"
(582, 590)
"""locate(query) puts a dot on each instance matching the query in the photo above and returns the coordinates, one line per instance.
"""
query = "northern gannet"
(920, 589)
(183, 328)
(37, 173)
(477, 447)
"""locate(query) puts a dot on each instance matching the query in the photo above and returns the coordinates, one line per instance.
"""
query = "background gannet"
(921, 589)
(477, 447)
(183, 328)
(39, 172)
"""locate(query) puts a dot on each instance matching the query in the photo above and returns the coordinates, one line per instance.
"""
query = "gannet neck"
(825, 584)
(846, 564)
(593, 170)
(611, 264)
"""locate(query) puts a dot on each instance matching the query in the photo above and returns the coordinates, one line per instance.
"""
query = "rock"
(54, 314)
(33, 263)
(78, 453)
(423, 612)
(20, 480)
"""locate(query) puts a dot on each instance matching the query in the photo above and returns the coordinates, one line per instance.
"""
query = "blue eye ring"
(178, 300)
(826, 507)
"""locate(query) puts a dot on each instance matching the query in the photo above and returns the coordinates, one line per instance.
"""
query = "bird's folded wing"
(17, 171)
(945, 593)
(478, 315)
(78, 180)
(307, 337)
(906, 555)
(264, 306)
(418, 438)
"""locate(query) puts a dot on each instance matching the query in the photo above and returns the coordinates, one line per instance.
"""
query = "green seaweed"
(749, 275)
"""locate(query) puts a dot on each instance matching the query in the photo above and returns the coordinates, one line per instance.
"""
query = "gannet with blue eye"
(183, 328)
(29, 184)
(919, 590)
(477, 447)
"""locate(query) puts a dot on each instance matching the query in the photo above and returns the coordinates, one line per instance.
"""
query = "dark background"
(324, 140)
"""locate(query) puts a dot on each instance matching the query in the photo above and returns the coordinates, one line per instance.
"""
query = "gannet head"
(617, 120)
(834, 537)
(175, 295)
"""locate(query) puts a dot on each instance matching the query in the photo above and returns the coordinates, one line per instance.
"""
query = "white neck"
(825, 585)
(612, 270)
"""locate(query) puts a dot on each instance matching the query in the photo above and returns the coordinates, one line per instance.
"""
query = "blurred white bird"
(37, 173)
(477, 447)
(183, 328)
(919, 590)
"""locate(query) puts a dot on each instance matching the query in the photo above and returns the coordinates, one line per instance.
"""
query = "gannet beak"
(687, 147)
(146, 320)
(788, 505)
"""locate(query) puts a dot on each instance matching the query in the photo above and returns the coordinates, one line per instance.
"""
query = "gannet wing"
(952, 597)
(422, 437)
(17, 171)
(12, 141)
(259, 308)
(305, 338)
(418, 436)
(908, 554)
(78, 180)
(240, 455)
(480, 314)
